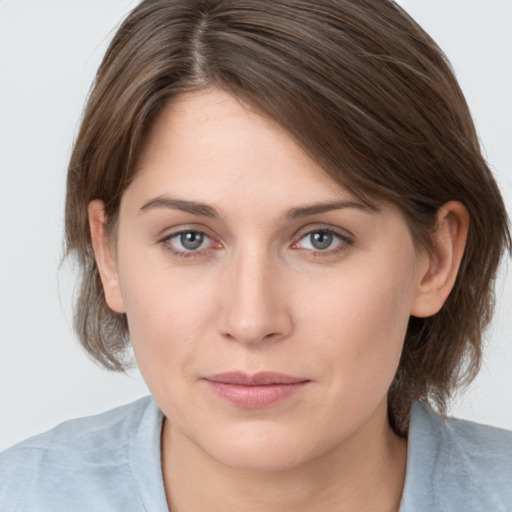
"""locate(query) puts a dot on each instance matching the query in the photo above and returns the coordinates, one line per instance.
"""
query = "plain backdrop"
(49, 51)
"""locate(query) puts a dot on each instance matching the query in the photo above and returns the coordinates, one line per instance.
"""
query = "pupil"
(321, 240)
(191, 240)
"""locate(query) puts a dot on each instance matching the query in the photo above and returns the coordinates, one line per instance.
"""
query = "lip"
(254, 391)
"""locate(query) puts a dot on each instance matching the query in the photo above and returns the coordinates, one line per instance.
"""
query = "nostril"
(253, 333)
(253, 307)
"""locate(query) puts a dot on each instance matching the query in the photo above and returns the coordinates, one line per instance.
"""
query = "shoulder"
(486, 448)
(82, 459)
(455, 464)
(479, 449)
(83, 438)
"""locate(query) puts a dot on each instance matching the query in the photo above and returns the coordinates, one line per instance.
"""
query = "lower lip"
(254, 397)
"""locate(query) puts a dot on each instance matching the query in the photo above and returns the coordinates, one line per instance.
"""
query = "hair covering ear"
(449, 241)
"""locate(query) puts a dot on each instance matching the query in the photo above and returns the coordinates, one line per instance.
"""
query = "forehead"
(209, 144)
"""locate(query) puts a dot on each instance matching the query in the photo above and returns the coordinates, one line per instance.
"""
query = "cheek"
(171, 317)
(360, 321)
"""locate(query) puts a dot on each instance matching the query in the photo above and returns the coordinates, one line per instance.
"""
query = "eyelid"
(169, 234)
(343, 233)
(345, 237)
(170, 231)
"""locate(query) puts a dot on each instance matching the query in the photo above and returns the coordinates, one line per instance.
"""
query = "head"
(361, 90)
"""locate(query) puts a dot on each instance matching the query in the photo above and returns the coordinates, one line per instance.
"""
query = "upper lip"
(256, 379)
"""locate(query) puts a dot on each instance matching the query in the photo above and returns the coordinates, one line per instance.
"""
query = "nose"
(254, 304)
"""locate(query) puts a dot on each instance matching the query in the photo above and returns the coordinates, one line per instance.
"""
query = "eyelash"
(168, 246)
(344, 242)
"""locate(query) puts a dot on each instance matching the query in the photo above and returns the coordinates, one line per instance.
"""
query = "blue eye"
(188, 241)
(322, 240)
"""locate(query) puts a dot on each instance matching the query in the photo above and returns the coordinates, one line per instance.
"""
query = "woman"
(283, 208)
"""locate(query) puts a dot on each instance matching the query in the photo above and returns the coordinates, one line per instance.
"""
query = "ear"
(105, 260)
(442, 263)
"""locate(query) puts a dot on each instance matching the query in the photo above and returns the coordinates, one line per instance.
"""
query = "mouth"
(255, 391)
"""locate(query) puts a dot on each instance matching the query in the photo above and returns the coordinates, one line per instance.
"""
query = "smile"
(254, 391)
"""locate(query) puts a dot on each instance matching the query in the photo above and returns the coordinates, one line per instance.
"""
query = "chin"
(258, 460)
(259, 449)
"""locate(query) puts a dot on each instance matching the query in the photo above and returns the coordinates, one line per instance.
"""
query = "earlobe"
(105, 260)
(438, 275)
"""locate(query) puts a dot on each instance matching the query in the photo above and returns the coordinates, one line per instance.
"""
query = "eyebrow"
(192, 207)
(314, 209)
(205, 210)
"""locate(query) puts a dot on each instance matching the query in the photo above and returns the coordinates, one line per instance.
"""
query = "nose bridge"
(254, 307)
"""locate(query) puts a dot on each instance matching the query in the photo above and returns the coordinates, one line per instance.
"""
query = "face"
(267, 306)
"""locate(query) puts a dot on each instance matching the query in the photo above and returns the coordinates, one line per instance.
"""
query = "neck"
(373, 459)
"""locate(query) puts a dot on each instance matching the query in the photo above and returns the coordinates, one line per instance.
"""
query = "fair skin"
(226, 259)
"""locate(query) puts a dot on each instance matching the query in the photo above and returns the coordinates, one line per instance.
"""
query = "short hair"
(362, 89)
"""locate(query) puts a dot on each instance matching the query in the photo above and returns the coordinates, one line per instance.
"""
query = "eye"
(319, 240)
(188, 242)
(322, 240)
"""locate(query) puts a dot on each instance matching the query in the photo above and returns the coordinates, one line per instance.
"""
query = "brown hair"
(362, 88)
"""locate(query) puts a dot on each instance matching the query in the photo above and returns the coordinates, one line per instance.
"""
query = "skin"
(259, 295)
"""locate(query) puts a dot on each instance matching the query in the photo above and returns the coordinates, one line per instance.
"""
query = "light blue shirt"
(111, 462)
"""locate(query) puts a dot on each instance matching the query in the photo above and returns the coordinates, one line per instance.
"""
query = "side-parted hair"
(362, 89)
